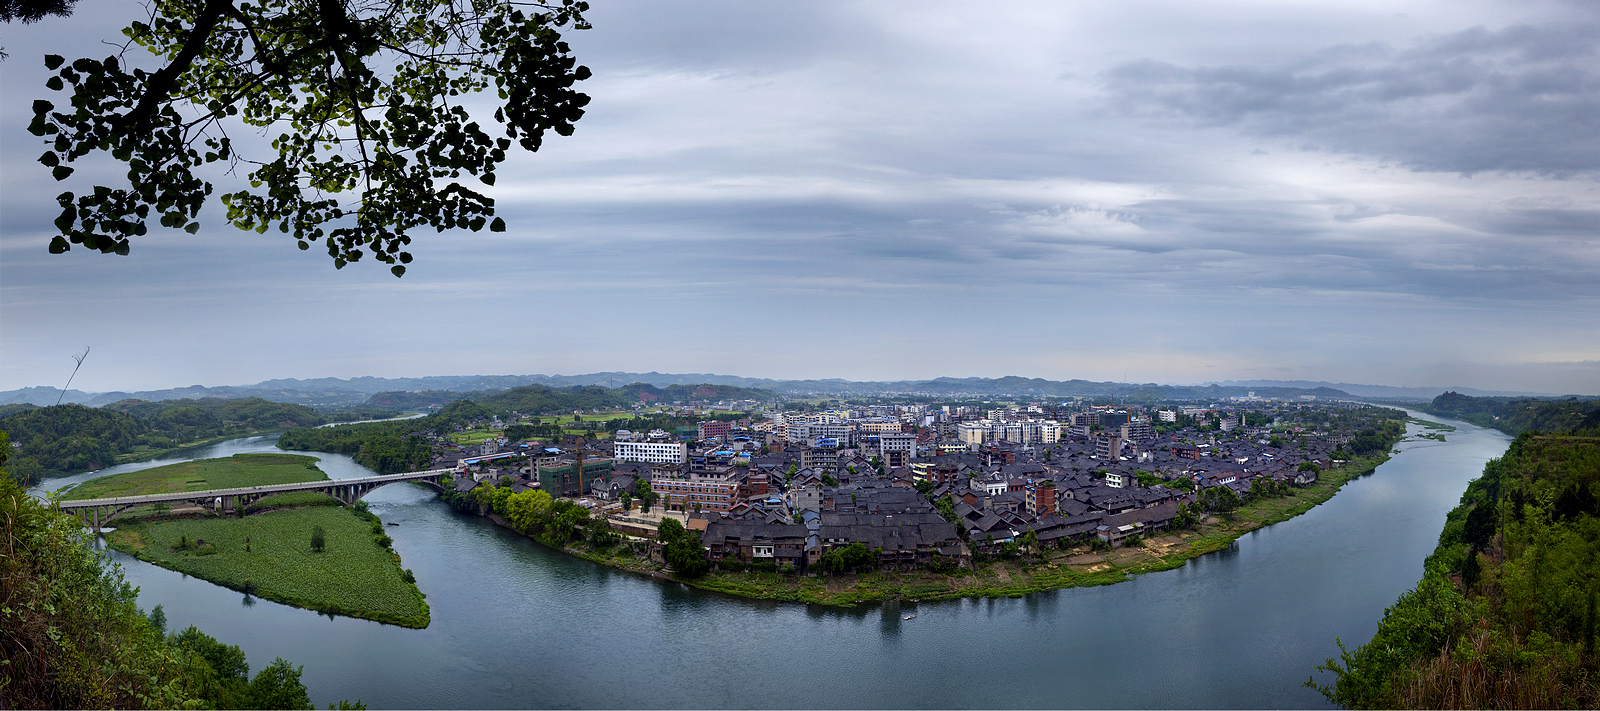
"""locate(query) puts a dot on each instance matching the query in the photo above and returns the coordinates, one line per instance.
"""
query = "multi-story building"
(897, 449)
(809, 432)
(973, 432)
(1167, 416)
(880, 425)
(1040, 498)
(696, 494)
(707, 430)
(653, 452)
(1138, 432)
(1108, 445)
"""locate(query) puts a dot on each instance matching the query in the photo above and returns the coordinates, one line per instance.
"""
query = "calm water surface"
(516, 625)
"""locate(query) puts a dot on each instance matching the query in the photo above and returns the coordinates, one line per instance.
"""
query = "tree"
(358, 99)
(645, 494)
(279, 687)
(318, 539)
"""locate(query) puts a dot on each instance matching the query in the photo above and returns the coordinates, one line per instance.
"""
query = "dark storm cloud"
(1521, 98)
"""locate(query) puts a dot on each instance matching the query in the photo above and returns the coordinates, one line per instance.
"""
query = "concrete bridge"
(224, 501)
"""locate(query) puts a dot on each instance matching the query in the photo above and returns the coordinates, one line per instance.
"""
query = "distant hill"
(1385, 391)
(406, 393)
(1516, 415)
(61, 439)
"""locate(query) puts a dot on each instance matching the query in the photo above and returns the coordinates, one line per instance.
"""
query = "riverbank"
(270, 555)
(1032, 572)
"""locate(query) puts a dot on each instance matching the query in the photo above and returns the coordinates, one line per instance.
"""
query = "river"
(516, 625)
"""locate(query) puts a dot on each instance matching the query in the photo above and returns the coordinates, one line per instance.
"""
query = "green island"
(1505, 615)
(298, 548)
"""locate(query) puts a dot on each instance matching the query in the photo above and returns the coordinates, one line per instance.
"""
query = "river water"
(516, 625)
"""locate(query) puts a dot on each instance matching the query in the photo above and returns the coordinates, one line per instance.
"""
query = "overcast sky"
(1387, 192)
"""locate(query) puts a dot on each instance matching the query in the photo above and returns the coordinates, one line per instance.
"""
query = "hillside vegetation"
(1505, 615)
(545, 400)
(1514, 416)
(62, 439)
(72, 635)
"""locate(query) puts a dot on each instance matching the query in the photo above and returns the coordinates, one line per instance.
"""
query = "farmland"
(270, 556)
(240, 470)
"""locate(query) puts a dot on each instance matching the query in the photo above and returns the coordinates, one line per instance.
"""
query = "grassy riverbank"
(240, 470)
(269, 555)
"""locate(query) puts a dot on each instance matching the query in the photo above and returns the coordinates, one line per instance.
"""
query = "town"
(908, 485)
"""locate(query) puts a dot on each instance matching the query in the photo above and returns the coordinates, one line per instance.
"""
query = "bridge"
(223, 501)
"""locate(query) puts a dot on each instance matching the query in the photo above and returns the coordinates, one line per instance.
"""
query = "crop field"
(353, 575)
(237, 471)
(292, 499)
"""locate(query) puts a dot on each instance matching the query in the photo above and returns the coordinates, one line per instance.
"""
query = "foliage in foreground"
(1505, 615)
(71, 635)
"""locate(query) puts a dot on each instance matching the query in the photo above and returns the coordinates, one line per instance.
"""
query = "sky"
(1397, 193)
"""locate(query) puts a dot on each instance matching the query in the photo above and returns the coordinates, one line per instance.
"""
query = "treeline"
(71, 635)
(387, 447)
(533, 512)
(61, 439)
(1514, 416)
(544, 400)
(1505, 615)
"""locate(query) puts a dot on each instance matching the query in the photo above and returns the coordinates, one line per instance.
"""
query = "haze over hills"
(1388, 391)
(340, 392)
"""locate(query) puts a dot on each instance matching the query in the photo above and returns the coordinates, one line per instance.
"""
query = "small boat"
(391, 523)
(907, 617)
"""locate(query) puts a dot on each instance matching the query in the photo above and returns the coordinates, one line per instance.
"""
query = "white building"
(653, 452)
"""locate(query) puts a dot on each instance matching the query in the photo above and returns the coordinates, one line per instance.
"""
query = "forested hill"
(1514, 416)
(62, 439)
(1505, 615)
(541, 399)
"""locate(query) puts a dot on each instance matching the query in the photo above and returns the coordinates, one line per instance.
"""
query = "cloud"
(1520, 98)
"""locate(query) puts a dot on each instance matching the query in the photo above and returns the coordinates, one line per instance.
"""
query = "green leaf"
(51, 61)
(50, 159)
(498, 225)
(58, 245)
(53, 84)
(192, 228)
(61, 172)
(398, 270)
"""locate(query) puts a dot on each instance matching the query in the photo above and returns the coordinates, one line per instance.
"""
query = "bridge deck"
(250, 490)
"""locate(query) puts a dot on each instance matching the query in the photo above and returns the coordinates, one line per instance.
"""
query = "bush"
(319, 539)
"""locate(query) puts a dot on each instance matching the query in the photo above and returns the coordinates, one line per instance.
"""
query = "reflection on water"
(516, 625)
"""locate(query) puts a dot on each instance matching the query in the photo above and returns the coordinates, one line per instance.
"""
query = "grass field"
(353, 576)
(240, 470)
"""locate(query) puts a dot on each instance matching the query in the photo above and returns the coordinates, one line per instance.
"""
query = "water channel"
(516, 625)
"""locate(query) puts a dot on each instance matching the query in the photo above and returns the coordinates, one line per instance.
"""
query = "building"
(1108, 445)
(897, 449)
(1040, 498)
(812, 431)
(1138, 432)
(696, 494)
(653, 452)
(708, 430)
